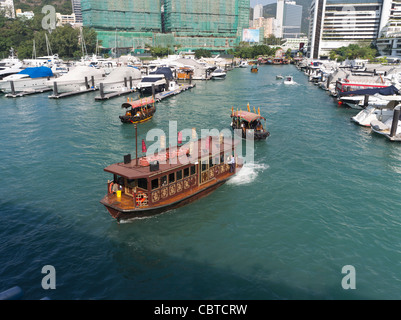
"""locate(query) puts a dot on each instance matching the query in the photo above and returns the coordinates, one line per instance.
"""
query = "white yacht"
(146, 83)
(121, 79)
(218, 74)
(157, 78)
(27, 80)
(389, 128)
(10, 65)
(243, 64)
(366, 116)
(78, 79)
(357, 102)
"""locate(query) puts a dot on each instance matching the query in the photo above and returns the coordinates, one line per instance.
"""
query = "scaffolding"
(127, 15)
(189, 24)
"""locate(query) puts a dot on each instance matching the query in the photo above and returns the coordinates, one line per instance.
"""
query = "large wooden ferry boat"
(151, 185)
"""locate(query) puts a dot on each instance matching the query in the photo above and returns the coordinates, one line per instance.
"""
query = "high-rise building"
(279, 18)
(7, 7)
(258, 11)
(389, 40)
(292, 20)
(337, 23)
(289, 19)
(76, 10)
(209, 24)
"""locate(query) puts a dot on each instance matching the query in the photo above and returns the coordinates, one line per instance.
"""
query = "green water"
(322, 194)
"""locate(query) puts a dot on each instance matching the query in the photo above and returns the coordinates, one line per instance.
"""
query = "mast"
(34, 50)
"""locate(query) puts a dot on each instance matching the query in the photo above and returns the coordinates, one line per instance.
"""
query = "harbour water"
(322, 194)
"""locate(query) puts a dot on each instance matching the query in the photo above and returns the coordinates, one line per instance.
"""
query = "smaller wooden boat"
(247, 122)
(185, 73)
(139, 111)
(254, 68)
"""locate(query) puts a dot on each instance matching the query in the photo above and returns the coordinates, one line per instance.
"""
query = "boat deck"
(126, 203)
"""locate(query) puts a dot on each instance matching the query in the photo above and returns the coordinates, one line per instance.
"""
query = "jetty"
(26, 93)
(89, 88)
(168, 93)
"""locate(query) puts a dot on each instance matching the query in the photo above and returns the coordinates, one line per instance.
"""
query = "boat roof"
(247, 116)
(138, 103)
(132, 171)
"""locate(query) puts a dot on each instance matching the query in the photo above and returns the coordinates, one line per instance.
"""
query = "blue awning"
(37, 72)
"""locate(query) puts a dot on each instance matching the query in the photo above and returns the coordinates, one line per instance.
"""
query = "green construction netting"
(192, 24)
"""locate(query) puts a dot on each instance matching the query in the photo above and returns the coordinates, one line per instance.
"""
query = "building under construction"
(215, 25)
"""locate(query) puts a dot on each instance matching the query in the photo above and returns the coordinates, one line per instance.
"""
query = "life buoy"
(111, 187)
(140, 198)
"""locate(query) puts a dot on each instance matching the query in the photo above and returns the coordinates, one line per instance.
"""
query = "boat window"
(120, 180)
(193, 170)
(163, 181)
(204, 165)
(155, 183)
(216, 160)
(143, 183)
(211, 162)
(179, 175)
(222, 158)
(171, 177)
(186, 172)
(131, 183)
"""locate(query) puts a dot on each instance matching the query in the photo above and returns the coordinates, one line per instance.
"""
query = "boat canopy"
(166, 71)
(386, 91)
(138, 103)
(37, 72)
(247, 116)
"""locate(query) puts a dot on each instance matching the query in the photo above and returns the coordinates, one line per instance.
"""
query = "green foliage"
(245, 51)
(353, 51)
(62, 6)
(159, 51)
(199, 53)
(64, 40)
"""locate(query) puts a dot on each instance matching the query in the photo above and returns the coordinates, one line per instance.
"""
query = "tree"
(199, 53)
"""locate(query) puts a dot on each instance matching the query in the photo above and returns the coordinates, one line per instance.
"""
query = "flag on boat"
(179, 140)
(143, 146)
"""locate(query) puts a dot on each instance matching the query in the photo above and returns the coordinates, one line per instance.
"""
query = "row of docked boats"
(374, 90)
(124, 73)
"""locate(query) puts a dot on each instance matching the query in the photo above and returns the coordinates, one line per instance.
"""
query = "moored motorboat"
(27, 80)
(156, 80)
(121, 78)
(169, 179)
(218, 74)
(79, 78)
(243, 64)
(139, 111)
(248, 124)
